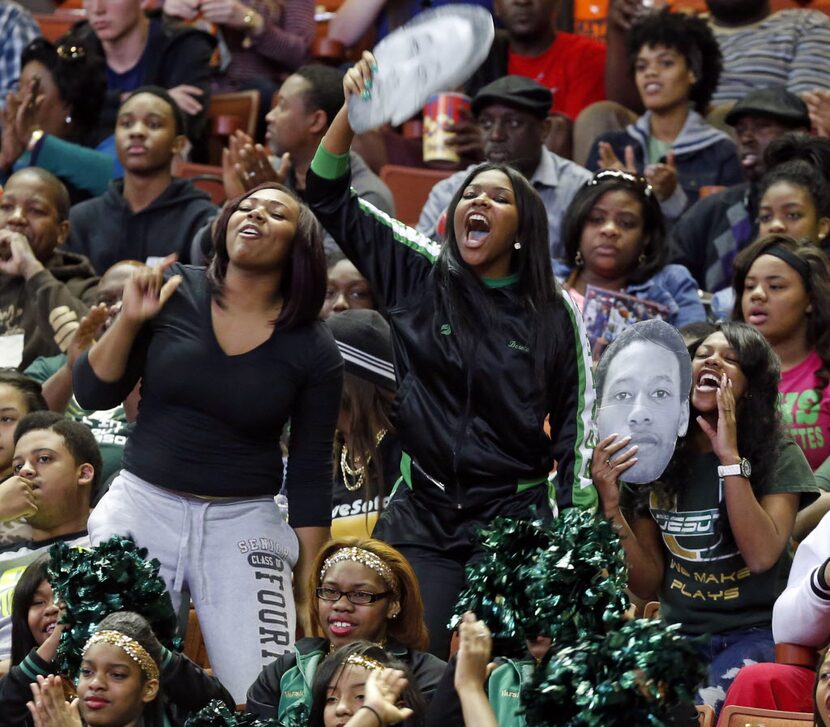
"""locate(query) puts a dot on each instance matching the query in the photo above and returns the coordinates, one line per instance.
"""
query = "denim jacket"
(672, 287)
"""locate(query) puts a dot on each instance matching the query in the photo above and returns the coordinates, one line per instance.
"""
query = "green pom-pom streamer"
(217, 714)
(562, 579)
(632, 675)
(114, 576)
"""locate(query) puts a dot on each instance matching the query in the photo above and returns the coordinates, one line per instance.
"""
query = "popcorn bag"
(441, 113)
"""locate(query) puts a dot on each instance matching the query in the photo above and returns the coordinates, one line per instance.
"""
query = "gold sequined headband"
(367, 662)
(130, 647)
(364, 557)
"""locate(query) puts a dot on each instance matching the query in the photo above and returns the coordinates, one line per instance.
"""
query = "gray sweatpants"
(232, 557)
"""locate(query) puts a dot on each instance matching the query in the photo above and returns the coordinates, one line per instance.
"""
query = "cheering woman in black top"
(226, 357)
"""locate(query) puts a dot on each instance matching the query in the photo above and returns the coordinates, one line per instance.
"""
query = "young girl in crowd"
(676, 64)
(734, 483)
(35, 636)
(782, 288)
(614, 238)
(361, 589)
(368, 456)
(19, 395)
(226, 356)
(361, 684)
(486, 347)
(795, 201)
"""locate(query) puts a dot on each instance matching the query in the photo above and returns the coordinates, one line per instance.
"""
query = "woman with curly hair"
(360, 589)
(710, 538)
(676, 63)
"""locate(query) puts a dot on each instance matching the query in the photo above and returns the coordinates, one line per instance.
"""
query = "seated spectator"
(571, 66)
(759, 48)
(19, 395)
(782, 288)
(262, 42)
(675, 63)
(346, 288)
(367, 460)
(366, 676)
(43, 290)
(148, 214)
(52, 121)
(800, 618)
(142, 50)
(127, 678)
(17, 29)
(366, 591)
(355, 18)
(737, 484)
(614, 238)
(61, 458)
(110, 427)
(716, 228)
(512, 113)
(795, 199)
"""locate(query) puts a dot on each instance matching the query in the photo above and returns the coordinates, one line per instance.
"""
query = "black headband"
(795, 262)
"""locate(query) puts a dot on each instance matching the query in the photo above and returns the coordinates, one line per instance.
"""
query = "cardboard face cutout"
(643, 382)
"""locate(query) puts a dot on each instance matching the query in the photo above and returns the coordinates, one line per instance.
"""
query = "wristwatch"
(743, 468)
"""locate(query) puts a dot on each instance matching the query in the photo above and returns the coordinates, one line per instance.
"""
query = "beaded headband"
(366, 662)
(364, 557)
(130, 647)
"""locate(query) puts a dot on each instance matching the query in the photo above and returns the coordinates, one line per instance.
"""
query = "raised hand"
(608, 158)
(49, 708)
(187, 98)
(246, 165)
(17, 499)
(663, 177)
(358, 79)
(383, 690)
(818, 106)
(622, 14)
(606, 468)
(724, 437)
(84, 335)
(146, 293)
(474, 651)
(16, 255)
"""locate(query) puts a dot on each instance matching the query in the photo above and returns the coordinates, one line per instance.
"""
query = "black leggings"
(438, 541)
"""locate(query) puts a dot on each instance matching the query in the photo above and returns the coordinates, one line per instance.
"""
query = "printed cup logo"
(441, 113)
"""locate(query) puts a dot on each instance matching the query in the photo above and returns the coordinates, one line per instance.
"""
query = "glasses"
(619, 174)
(358, 598)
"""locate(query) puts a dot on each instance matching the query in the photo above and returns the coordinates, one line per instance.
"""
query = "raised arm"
(640, 539)
(353, 19)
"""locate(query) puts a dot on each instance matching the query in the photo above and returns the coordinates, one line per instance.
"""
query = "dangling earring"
(642, 260)
(579, 261)
(517, 245)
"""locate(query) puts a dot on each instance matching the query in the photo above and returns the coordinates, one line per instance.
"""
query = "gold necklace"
(358, 474)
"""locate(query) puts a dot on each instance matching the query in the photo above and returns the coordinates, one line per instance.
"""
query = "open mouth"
(338, 627)
(708, 382)
(478, 227)
(757, 317)
(250, 231)
(653, 88)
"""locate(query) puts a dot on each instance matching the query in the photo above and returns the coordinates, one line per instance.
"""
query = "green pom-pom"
(633, 675)
(562, 579)
(114, 576)
(217, 714)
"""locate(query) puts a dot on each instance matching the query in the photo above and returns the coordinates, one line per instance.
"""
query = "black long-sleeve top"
(209, 424)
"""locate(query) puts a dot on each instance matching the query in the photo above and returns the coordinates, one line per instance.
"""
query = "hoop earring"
(579, 261)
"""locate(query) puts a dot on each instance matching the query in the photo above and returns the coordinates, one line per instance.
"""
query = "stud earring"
(579, 261)
(642, 260)
(517, 245)
(68, 119)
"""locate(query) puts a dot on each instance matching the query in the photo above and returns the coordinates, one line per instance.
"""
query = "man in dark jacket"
(148, 214)
(145, 49)
(715, 229)
(43, 291)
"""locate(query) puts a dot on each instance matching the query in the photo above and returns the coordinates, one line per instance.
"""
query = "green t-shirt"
(707, 587)
(110, 427)
(657, 149)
